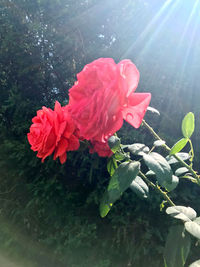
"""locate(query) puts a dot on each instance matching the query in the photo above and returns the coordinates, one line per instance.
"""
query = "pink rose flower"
(53, 131)
(101, 148)
(104, 95)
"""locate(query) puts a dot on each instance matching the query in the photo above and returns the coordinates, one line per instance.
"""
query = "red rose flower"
(101, 148)
(104, 95)
(53, 131)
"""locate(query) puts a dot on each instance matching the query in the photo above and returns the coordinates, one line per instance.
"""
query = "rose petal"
(63, 158)
(101, 148)
(52, 131)
(61, 148)
(137, 106)
(129, 74)
(60, 130)
(99, 100)
(73, 143)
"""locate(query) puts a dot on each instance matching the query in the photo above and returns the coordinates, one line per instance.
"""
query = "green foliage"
(188, 125)
(138, 149)
(160, 167)
(114, 143)
(158, 143)
(119, 182)
(140, 187)
(173, 184)
(177, 247)
(191, 225)
(182, 155)
(178, 146)
(181, 171)
(181, 212)
(105, 206)
(176, 252)
(195, 264)
(119, 156)
(193, 228)
(111, 165)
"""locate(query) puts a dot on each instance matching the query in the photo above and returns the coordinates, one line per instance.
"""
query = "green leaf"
(177, 247)
(178, 146)
(181, 171)
(138, 149)
(114, 143)
(119, 156)
(188, 125)
(119, 182)
(193, 228)
(182, 155)
(160, 167)
(111, 165)
(153, 110)
(150, 173)
(121, 179)
(182, 213)
(159, 143)
(171, 186)
(104, 206)
(139, 187)
(197, 220)
(195, 264)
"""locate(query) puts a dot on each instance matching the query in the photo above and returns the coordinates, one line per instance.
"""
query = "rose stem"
(158, 189)
(168, 149)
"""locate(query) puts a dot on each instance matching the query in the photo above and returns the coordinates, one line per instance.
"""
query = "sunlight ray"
(185, 59)
(159, 28)
(188, 22)
(148, 28)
